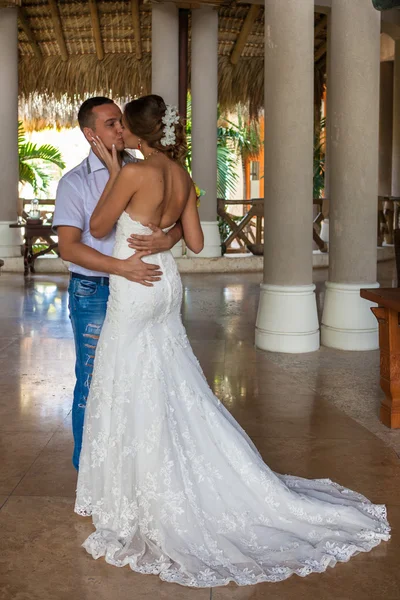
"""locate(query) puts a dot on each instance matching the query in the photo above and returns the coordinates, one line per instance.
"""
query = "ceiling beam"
(320, 6)
(136, 28)
(320, 26)
(58, 32)
(94, 15)
(323, 6)
(320, 51)
(23, 19)
(251, 17)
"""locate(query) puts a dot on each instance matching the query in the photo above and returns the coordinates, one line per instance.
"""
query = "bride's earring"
(139, 144)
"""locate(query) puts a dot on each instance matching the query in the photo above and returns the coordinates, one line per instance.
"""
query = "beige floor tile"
(3, 500)
(52, 474)
(18, 452)
(232, 386)
(42, 559)
(301, 415)
(198, 330)
(365, 466)
(5, 343)
(35, 407)
(207, 352)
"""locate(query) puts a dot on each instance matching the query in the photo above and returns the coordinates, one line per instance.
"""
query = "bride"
(174, 485)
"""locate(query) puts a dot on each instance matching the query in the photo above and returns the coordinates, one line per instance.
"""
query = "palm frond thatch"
(51, 89)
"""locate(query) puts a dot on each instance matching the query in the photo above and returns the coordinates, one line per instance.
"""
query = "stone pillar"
(204, 85)
(165, 52)
(287, 313)
(165, 61)
(353, 111)
(385, 129)
(10, 239)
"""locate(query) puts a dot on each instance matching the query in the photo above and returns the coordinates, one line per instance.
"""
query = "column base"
(10, 240)
(177, 250)
(212, 241)
(347, 321)
(287, 319)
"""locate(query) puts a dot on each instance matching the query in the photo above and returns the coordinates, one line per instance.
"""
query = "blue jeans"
(87, 309)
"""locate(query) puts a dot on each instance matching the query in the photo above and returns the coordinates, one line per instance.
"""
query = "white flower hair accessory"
(170, 118)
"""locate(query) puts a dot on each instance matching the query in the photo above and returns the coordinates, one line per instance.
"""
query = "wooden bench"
(388, 315)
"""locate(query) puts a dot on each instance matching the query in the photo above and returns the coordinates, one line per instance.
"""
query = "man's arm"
(158, 241)
(133, 268)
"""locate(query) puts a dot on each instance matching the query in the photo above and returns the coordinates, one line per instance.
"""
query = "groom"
(90, 259)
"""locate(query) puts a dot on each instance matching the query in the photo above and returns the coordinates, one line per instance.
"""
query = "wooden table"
(388, 315)
(34, 232)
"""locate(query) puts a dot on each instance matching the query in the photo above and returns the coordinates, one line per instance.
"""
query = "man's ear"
(88, 133)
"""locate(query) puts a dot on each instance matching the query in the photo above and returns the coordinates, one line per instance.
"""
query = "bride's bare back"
(158, 192)
(162, 191)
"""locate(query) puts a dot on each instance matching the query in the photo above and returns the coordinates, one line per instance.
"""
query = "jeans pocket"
(84, 288)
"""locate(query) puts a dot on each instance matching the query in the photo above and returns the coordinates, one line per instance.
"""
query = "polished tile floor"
(311, 415)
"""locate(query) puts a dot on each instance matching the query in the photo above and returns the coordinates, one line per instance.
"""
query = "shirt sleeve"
(69, 208)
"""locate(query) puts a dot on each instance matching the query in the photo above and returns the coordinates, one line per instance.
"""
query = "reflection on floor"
(305, 414)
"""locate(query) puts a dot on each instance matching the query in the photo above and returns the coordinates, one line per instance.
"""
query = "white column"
(165, 61)
(10, 239)
(353, 111)
(287, 314)
(204, 85)
(165, 52)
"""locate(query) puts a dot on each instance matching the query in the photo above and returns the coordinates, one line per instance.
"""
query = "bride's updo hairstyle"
(144, 118)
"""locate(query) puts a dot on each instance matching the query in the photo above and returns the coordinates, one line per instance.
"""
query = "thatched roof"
(65, 55)
(385, 4)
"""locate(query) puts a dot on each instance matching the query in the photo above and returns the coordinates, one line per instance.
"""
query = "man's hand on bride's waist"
(158, 241)
(134, 269)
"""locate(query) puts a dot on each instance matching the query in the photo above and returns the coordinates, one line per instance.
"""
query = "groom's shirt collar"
(93, 163)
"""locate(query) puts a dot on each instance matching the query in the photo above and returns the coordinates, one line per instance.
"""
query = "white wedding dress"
(174, 485)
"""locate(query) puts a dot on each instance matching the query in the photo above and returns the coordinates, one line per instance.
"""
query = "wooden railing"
(246, 233)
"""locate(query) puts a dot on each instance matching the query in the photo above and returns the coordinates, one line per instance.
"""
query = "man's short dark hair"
(85, 114)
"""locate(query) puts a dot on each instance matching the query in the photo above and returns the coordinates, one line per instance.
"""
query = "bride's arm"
(121, 186)
(116, 195)
(192, 231)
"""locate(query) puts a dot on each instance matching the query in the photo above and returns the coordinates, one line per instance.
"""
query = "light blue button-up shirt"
(78, 193)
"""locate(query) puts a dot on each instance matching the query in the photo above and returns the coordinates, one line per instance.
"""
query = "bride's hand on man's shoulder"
(156, 242)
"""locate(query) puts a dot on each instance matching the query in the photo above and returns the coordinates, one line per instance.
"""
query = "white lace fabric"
(174, 485)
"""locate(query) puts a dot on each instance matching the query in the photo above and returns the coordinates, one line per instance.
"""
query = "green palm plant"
(227, 176)
(34, 161)
(319, 160)
(246, 138)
